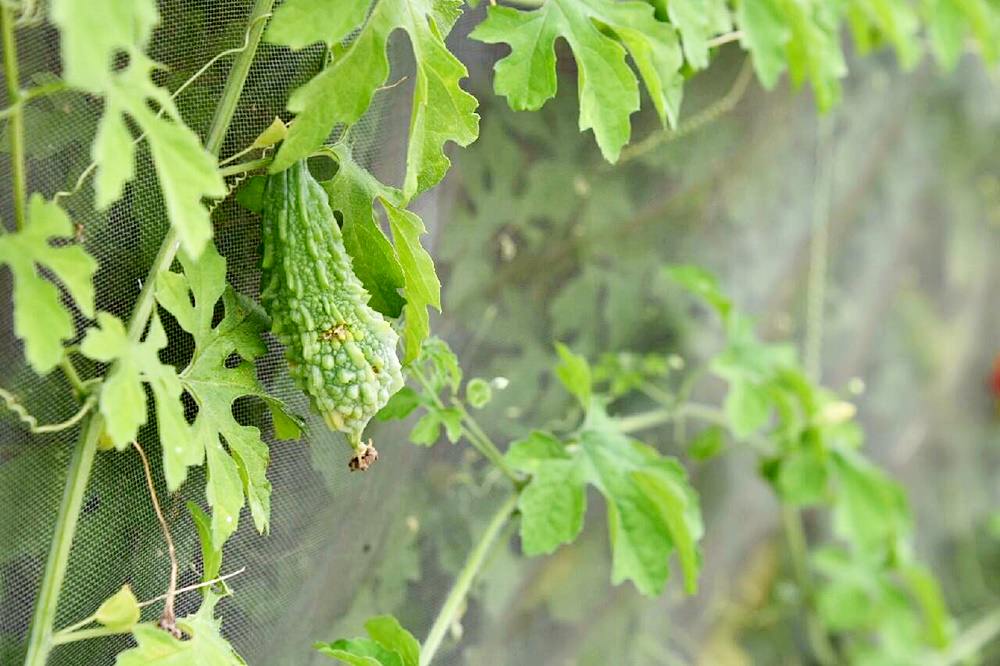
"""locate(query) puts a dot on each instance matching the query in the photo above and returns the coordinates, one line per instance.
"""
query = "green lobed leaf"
(203, 643)
(765, 35)
(427, 429)
(341, 93)
(803, 36)
(390, 645)
(574, 373)
(896, 21)
(352, 192)
(299, 23)
(387, 631)
(600, 35)
(870, 509)
(652, 510)
(92, 35)
(439, 362)
(40, 319)
(122, 398)
(238, 470)
(423, 290)
(949, 21)
(552, 506)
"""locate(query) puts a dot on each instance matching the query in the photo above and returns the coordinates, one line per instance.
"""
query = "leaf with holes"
(92, 35)
(237, 456)
(123, 398)
(600, 34)
(39, 316)
(341, 93)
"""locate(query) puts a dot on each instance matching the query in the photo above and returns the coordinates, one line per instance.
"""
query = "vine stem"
(798, 545)
(40, 642)
(244, 167)
(798, 549)
(456, 597)
(707, 413)
(15, 126)
(471, 430)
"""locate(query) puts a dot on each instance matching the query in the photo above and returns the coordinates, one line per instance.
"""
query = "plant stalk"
(243, 167)
(41, 640)
(15, 126)
(819, 641)
(460, 589)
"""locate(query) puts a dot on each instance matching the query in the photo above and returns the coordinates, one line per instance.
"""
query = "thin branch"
(818, 250)
(15, 127)
(196, 586)
(72, 376)
(456, 597)
(391, 85)
(244, 167)
(709, 115)
(733, 36)
(470, 430)
(84, 634)
(26, 96)
(168, 620)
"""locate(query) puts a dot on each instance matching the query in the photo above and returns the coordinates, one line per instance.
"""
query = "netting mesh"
(914, 214)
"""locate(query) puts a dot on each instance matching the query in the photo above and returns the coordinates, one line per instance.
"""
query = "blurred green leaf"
(702, 284)
(708, 443)
(390, 645)
(574, 373)
(478, 392)
(400, 405)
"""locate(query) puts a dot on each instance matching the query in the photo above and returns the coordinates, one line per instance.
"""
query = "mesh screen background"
(334, 535)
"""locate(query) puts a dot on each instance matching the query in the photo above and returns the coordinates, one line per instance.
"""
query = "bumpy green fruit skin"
(340, 352)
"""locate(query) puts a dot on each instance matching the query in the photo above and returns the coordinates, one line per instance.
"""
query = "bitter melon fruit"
(340, 351)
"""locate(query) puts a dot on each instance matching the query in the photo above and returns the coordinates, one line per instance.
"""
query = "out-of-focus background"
(896, 193)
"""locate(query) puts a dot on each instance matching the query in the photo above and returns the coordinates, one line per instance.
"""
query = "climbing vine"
(351, 303)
